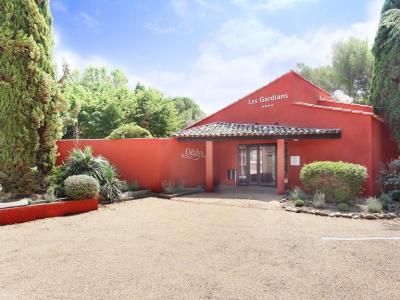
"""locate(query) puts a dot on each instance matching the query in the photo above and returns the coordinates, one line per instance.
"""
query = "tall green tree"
(188, 110)
(98, 100)
(350, 70)
(385, 88)
(352, 62)
(30, 98)
(324, 77)
(154, 112)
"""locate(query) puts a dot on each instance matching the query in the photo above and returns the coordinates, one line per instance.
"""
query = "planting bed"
(186, 191)
(46, 210)
(132, 195)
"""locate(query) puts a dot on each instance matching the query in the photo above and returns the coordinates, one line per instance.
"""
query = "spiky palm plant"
(84, 163)
(110, 189)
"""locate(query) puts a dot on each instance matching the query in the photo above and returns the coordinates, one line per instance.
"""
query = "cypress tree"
(30, 99)
(385, 87)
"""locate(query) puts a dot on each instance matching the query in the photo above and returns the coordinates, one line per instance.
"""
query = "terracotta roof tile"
(224, 129)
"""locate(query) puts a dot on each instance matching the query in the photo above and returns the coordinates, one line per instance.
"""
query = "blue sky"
(214, 51)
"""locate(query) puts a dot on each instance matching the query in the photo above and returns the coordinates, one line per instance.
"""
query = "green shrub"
(343, 206)
(389, 179)
(296, 194)
(81, 187)
(339, 181)
(319, 200)
(50, 195)
(84, 163)
(129, 131)
(386, 201)
(180, 186)
(134, 186)
(373, 205)
(110, 189)
(299, 203)
(171, 187)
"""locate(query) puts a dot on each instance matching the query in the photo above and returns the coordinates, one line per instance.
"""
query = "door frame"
(258, 164)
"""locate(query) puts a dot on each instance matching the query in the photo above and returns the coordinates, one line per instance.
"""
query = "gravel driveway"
(198, 249)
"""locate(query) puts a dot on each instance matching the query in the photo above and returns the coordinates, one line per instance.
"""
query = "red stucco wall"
(150, 161)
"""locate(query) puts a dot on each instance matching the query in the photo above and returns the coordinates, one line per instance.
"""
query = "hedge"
(129, 131)
(339, 181)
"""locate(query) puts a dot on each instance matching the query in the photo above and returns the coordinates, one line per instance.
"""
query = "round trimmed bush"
(299, 203)
(129, 131)
(339, 181)
(79, 187)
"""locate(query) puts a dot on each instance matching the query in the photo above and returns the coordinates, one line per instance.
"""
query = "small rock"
(338, 214)
(387, 216)
(288, 209)
(380, 216)
(355, 216)
(294, 210)
(348, 216)
(313, 211)
(323, 213)
(392, 215)
(332, 215)
(370, 217)
(283, 206)
(299, 210)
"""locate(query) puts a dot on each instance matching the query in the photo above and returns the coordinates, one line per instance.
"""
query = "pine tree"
(385, 87)
(30, 99)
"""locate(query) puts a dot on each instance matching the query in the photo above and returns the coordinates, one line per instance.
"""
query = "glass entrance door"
(257, 165)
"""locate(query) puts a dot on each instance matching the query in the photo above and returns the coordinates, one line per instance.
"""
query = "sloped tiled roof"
(226, 130)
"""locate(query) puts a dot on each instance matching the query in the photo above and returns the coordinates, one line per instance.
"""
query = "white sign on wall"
(193, 154)
(268, 101)
(295, 160)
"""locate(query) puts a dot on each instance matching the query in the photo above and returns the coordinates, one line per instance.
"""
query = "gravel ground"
(198, 248)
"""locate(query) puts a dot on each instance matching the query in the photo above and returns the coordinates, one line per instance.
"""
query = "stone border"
(322, 213)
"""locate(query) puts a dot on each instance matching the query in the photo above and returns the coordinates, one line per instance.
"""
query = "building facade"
(262, 139)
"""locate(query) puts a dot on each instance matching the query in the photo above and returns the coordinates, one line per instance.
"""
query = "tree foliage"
(100, 102)
(154, 112)
(188, 110)
(30, 99)
(350, 70)
(97, 101)
(385, 88)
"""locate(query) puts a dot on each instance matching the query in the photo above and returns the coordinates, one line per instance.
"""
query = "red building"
(262, 139)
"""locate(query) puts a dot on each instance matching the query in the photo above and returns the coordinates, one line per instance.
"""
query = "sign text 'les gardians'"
(273, 97)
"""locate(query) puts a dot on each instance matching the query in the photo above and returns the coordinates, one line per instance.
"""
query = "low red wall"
(47, 210)
(150, 161)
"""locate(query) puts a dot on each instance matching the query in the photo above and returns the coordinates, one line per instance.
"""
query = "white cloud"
(157, 28)
(180, 7)
(269, 5)
(88, 20)
(245, 54)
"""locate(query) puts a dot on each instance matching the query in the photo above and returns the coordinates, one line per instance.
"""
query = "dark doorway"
(257, 165)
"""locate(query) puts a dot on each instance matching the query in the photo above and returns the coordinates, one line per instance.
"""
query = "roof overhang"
(224, 130)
